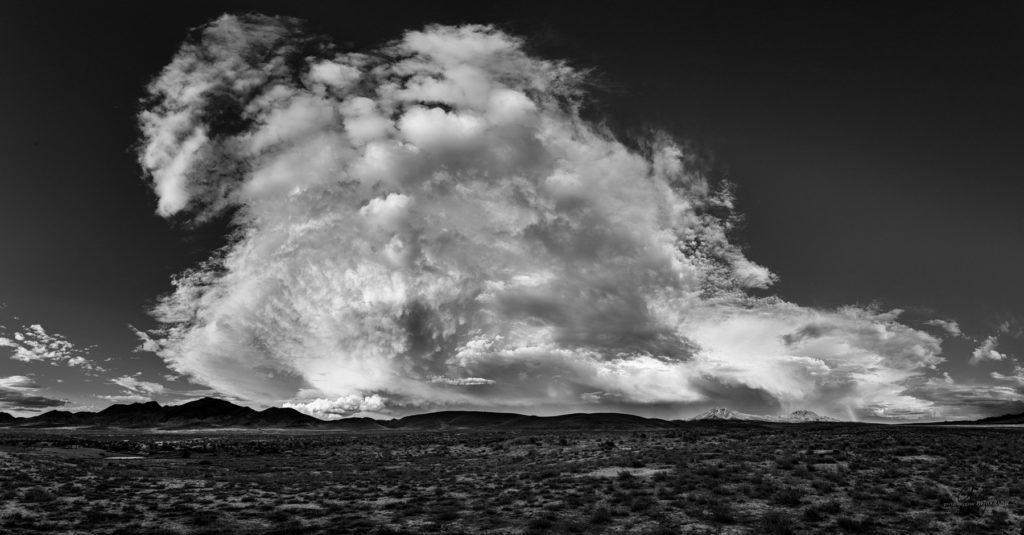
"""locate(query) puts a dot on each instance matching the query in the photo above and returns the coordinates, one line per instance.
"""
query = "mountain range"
(795, 417)
(215, 413)
(218, 413)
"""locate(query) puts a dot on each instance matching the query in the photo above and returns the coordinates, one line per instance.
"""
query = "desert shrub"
(37, 494)
(292, 527)
(785, 462)
(852, 525)
(205, 518)
(600, 515)
(789, 496)
(823, 485)
(776, 523)
(389, 530)
(998, 519)
(159, 530)
(447, 514)
(721, 512)
(643, 504)
(831, 507)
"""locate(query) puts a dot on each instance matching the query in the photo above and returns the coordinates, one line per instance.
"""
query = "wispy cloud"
(1016, 377)
(138, 386)
(950, 326)
(146, 342)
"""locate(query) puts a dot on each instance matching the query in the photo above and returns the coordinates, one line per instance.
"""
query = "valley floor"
(704, 478)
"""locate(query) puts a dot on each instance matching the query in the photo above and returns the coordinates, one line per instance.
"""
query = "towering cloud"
(433, 224)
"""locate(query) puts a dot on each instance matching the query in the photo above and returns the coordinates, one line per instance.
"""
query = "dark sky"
(876, 148)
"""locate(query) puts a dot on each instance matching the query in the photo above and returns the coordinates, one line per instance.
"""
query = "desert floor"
(700, 478)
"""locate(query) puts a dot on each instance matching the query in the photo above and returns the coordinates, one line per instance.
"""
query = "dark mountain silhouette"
(354, 424)
(1005, 419)
(133, 415)
(597, 420)
(205, 412)
(453, 419)
(286, 417)
(218, 413)
(208, 412)
(56, 418)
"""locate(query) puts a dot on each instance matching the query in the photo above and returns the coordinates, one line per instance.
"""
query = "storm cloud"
(432, 224)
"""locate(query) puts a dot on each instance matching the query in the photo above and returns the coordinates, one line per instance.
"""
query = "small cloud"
(34, 344)
(462, 381)
(987, 351)
(128, 398)
(138, 386)
(1011, 327)
(147, 344)
(18, 382)
(950, 326)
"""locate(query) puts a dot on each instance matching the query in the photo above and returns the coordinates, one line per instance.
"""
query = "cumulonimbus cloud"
(432, 224)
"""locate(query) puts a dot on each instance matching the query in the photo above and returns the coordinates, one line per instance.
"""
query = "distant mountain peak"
(797, 416)
(722, 413)
(804, 415)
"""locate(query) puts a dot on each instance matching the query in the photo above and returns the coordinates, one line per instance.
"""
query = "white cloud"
(138, 386)
(950, 326)
(127, 398)
(34, 344)
(987, 351)
(147, 343)
(449, 232)
(340, 407)
(18, 382)
(333, 74)
(462, 381)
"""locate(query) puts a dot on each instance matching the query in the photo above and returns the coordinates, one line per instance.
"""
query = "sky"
(389, 209)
